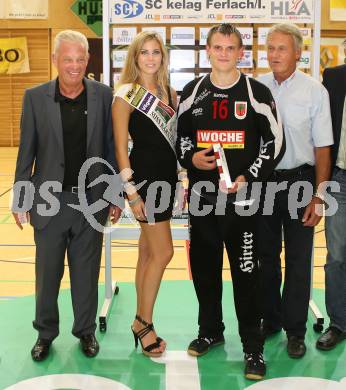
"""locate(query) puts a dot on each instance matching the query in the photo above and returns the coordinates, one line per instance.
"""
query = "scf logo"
(128, 8)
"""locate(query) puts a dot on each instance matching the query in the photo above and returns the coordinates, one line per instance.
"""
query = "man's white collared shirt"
(341, 159)
(303, 103)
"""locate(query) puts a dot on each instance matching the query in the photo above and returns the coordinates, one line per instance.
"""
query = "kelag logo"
(128, 8)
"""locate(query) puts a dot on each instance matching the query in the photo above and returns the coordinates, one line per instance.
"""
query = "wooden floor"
(17, 249)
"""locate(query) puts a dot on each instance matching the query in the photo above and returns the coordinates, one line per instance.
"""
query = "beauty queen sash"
(163, 116)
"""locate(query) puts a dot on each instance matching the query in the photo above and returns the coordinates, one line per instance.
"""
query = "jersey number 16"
(220, 109)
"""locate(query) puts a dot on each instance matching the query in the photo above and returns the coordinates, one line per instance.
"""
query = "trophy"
(222, 165)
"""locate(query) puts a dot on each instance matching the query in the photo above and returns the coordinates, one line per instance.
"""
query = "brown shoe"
(330, 338)
(90, 346)
(296, 347)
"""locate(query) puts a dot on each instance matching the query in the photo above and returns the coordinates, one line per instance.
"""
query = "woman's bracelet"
(135, 200)
(129, 187)
(128, 183)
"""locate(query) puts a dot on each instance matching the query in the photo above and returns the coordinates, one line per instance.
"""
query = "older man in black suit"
(66, 122)
(334, 79)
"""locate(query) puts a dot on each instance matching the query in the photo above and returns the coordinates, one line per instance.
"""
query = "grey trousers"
(69, 233)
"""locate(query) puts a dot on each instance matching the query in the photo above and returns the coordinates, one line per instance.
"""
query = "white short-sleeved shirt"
(303, 103)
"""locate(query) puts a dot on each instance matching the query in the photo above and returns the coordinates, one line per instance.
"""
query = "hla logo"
(292, 7)
(128, 8)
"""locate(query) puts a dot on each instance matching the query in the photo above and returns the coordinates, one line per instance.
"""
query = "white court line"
(24, 258)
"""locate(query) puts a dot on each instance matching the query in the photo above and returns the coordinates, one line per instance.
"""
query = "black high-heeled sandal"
(158, 339)
(142, 333)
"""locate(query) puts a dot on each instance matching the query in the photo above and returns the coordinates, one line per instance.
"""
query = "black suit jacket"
(41, 150)
(334, 79)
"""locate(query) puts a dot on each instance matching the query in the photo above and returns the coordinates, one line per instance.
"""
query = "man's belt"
(286, 173)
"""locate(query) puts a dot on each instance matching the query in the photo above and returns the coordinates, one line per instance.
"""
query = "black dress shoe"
(330, 338)
(89, 345)
(40, 350)
(296, 347)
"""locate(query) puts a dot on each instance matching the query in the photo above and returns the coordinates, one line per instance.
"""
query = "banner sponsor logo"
(182, 36)
(234, 16)
(205, 11)
(124, 36)
(246, 61)
(22, 9)
(172, 17)
(229, 139)
(119, 58)
(14, 55)
(337, 10)
(263, 32)
(305, 60)
(203, 34)
(127, 9)
(246, 35)
(90, 12)
(291, 10)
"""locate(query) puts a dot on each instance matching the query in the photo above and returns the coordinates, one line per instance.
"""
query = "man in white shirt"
(303, 104)
(334, 79)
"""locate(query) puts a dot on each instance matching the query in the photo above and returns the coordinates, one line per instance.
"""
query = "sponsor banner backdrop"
(179, 80)
(246, 35)
(262, 61)
(119, 57)
(2, 10)
(158, 29)
(338, 10)
(183, 36)
(262, 35)
(14, 55)
(203, 34)
(124, 36)
(203, 59)
(305, 60)
(332, 52)
(210, 11)
(246, 60)
(90, 13)
(116, 78)
(263, 32)
(306, 33)
(24, 9)
(180, 59)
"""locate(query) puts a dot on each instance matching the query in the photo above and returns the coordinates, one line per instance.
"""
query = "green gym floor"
(120, 366)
